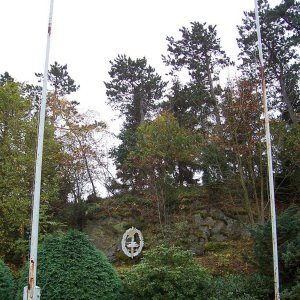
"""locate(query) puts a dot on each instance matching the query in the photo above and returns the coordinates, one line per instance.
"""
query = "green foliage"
(214, 164)
(70, 267)
(60, 79)
(280, 41)
(293, 293)
(214, 246)
(288, 231)
(240, 287)
(5, 77)
(18, 132)
(199, 51)
(167, 273)
(7, 284)
(161, 144)
(133, 89)
(286, 141)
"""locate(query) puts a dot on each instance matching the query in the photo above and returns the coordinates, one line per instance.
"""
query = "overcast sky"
(86, 34)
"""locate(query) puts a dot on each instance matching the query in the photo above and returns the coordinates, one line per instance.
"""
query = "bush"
(293, 293)
(167, 273)
(240, 287)
(70, 267)
(288, 232)
(7, 284)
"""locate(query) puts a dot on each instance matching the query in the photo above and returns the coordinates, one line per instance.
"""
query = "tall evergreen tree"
(280, 40)
(60, 80)
(134, 90)
(200, 52)
(5, 77)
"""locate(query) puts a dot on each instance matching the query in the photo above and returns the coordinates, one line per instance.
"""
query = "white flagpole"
(270, 163)
(32, 292)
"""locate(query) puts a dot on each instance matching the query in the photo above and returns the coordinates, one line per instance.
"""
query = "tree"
(82, 138)
(286, 141)
(160, 146)
(199, 51)
(5, 77)
(280, 41)
(17, 159)
(134, 89)
(60, 80)
(242, 141)
(288, 224)
(288, 11)
(240, 287)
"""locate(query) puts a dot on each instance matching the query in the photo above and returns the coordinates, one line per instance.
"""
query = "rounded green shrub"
(70, 267)
(240, 287)
(167, 273)
(7, 284)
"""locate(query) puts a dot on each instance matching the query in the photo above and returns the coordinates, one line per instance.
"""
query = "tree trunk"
(243, 184)
(285, 98)
(87, 168)
(262, 202)
(212, 91)
(253, 182)
(142, 115)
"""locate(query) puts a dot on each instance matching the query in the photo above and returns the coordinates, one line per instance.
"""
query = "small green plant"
(167, 273)
(7, 284)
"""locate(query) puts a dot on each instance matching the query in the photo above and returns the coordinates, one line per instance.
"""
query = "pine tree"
(280, 40)
(134, 90)
(200, 52)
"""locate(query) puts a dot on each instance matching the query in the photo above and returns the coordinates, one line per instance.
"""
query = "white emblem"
(132, 242)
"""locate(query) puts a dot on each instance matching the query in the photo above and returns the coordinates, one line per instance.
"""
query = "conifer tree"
(280, 41)
(134, 90)
(199, 51)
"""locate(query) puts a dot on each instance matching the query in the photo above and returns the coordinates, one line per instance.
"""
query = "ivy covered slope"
(70, 267)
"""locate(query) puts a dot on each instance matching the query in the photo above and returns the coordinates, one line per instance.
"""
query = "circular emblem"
(132, 242)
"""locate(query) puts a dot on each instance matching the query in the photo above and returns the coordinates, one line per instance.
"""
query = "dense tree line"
(222, 126)
(178, 131)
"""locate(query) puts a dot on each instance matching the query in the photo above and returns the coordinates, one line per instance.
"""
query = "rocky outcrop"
(216, 226)
(188, 231)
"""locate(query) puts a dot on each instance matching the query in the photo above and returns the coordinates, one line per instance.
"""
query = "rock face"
(191, 232)
(218, 227)
(107, 233)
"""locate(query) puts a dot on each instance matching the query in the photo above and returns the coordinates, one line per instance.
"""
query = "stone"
(209, 221)
(217, 214)
(205, 232)
(218, 227)
(197, 219)
(218, 237)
